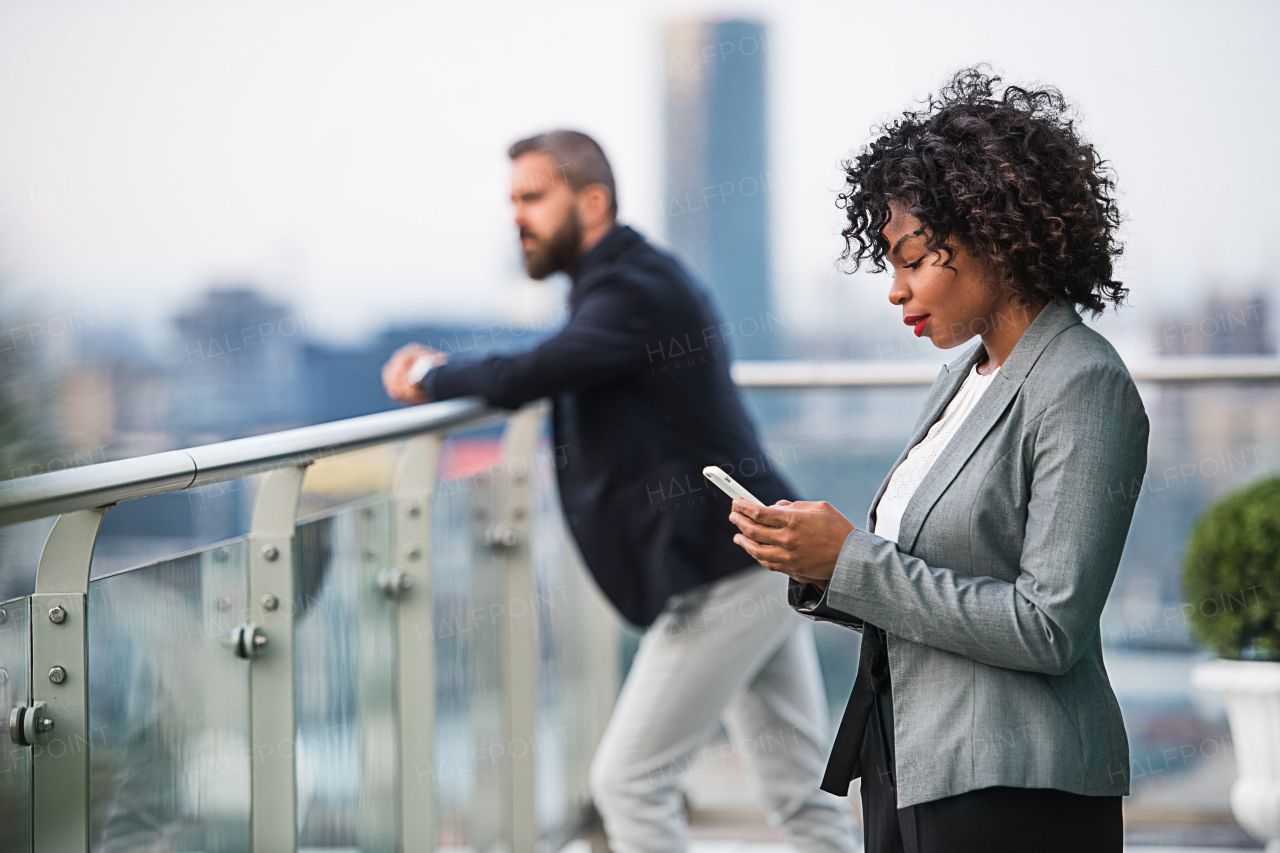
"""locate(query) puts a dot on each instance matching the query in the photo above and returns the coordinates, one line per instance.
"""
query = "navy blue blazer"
(643, 401)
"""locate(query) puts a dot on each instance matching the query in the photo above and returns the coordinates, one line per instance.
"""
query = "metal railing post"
(60, 680)
(413, 492)
(518, 636)
(379, 586)
(267, 640)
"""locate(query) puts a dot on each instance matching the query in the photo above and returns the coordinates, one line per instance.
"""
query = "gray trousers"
(735, 653)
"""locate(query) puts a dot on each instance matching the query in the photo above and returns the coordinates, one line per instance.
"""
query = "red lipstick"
(917, 320)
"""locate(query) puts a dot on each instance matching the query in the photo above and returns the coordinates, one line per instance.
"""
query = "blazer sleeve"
(603, 341)
(810, 601)
(1090, 445)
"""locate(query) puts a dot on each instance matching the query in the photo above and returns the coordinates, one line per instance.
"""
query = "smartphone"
(728, 485)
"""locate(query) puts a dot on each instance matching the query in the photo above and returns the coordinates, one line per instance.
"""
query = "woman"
(982, 717)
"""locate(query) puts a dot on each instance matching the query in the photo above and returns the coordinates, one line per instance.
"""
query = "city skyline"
(333, 154)
(718, 181)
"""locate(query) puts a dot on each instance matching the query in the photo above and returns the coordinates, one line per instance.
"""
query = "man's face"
(547, 215)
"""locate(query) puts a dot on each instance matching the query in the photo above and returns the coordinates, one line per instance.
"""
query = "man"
(643, 401)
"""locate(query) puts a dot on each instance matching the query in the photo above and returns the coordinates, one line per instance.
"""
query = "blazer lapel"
(1052, 320)
(949, 380)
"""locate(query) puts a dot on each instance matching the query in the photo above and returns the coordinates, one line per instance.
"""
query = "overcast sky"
(349, 157)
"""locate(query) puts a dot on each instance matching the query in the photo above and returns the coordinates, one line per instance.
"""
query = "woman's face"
(948, 305)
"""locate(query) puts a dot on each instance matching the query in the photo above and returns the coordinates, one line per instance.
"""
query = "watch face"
(419, 369)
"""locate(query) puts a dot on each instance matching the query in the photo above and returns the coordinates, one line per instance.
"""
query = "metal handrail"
(782, 375)
(1207, 369)
(107, 483)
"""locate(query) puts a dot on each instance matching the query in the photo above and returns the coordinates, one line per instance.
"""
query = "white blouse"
(906, 479)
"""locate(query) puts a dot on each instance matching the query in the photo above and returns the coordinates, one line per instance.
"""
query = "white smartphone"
(728, 485)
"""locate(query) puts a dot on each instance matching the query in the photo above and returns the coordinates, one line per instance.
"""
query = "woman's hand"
(801, 539)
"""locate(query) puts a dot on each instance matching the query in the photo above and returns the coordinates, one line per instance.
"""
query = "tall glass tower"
(718, 185)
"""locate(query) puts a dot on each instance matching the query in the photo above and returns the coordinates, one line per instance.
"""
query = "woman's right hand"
(790, 542)
(820, 583)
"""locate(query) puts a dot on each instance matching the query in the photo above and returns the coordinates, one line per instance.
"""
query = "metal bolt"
(57, 615)
(43, 725)
(520, 477)
(223, 603)
(247, 640)
(270, 602)
(412, 552)
(270, 553)
(4, 616)
(220, 555)
(501, 536)
(517, 512)
(57, 675)
(415, 510)
(394, 583)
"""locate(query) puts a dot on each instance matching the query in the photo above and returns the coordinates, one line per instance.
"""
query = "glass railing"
(169, 721)
(398, 648)
(418, 662)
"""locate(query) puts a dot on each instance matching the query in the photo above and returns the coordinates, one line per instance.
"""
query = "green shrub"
(1231, 574)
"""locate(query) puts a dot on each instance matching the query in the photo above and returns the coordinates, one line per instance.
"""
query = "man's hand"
(395, 373)
(801, 539)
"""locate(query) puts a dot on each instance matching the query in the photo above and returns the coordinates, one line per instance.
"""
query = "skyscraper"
(716, 206)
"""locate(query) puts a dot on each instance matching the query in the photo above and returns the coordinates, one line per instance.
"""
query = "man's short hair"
(580, 158)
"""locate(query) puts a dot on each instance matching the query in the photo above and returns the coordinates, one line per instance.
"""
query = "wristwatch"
(418, 370)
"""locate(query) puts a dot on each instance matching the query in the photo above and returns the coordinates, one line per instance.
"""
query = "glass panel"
(15, 761)
(334, 483)
(20, 549)
(837, 445)
(470, 744)
(344, 633)
(155, 528)
(169, 706)
(564, 738)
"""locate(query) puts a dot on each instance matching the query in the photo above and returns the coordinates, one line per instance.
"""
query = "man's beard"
(560, 253)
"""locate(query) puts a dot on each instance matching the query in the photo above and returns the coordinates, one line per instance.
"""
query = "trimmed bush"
(1231, 574)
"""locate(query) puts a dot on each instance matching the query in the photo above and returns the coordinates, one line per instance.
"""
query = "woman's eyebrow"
(904, 238)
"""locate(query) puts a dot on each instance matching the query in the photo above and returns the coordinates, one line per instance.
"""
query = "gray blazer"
(991, 599)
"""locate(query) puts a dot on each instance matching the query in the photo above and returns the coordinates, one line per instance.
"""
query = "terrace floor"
(725, 816)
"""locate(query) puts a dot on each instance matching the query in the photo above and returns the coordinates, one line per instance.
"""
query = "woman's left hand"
(801, 539)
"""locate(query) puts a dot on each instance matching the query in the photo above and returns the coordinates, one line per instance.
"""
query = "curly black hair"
(1007, 177)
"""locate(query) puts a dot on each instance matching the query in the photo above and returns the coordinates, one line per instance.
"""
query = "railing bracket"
(501, 537)
(27, 724)
(394, 583)
(248, 640)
